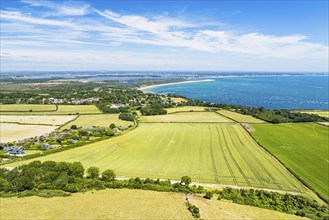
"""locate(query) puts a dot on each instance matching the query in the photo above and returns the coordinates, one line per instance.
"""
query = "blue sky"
(164, 35)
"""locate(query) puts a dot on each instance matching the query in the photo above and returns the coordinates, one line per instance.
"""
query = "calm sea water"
(273, 92)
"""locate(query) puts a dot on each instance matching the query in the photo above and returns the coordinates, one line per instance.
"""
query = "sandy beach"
(147, 88)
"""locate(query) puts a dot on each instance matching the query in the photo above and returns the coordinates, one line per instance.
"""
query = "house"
(46, 146)
(116, 130)
(18, 151)
(122, 128)
(73, 141)
(117, 105)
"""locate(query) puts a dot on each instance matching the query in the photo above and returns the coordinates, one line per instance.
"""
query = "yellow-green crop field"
(240, 117)
(103, 120)
(37, 119)
(104, 204)
(302, 147)
(186, 117)
(320, 113)
(222, 153)
(13, 132)
(186, 109)
(128, 204)
(26, 107)
(44, 109)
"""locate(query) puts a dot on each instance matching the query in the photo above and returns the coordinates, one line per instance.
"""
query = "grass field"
(128, 204)
(37, 119)
(186, 109)
(178, 100)
(104, 204)
(98, 120)
(27, 107)
(320, 113)
(301, 147)
(62, 110)
(214, 209)
(14, 132)
(209, 153)
(187, 117)
(240, 117)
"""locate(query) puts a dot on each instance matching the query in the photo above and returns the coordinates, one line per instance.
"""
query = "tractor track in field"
(233, 159)
(213, 157)
(227, 163)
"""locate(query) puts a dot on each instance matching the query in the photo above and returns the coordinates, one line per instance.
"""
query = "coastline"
(147, 88)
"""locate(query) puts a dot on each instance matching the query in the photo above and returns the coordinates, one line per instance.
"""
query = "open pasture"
(37, 119)
(214, 209)
(186, 109)
(26, 108)
(320, 113)
(104, 204)
(103, 120)
(13, 132)
(240, 117)
(209, 153)
(187, 117)
(302, 147)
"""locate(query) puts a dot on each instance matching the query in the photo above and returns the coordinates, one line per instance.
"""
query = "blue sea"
(273, 92)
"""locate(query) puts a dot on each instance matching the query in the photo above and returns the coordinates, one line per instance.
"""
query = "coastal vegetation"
(302, 147)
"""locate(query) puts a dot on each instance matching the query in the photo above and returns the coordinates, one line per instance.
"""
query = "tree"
(112, 126)
(108, 175)
(208, 195)
(74, 127)
(186, 180)
(93, 172)
(76, 169)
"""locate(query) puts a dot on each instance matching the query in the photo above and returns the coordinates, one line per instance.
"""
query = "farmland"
(209, 153)
(37, 119)
(14, 132)
(105, 204)
(320, 113)
(62, 109)
(187, 117)
(214, 209)
(142, 205)
(26, 108)
(98, 120)
(240, 117)
(301, 147)
(186, 109)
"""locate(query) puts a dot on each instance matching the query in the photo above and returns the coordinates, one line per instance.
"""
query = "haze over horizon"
(285, 36)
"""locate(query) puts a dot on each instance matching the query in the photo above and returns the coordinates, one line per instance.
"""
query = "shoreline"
(146, 88)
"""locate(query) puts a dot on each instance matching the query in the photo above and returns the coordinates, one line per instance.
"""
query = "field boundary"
(68, 122)
(56, 108)
(290, 171)
(19, 123)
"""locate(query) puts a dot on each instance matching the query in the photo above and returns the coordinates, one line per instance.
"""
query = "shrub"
(108, 175)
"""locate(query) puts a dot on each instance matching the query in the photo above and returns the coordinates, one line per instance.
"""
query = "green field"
(44, 109)
(186, 109)
(104, 204)
(186, 117)
(240, 117)
(222, 153)
(103, 120)
(26, 108)
(302, 147)
(128, 204)
(320, 113)
(14, 132)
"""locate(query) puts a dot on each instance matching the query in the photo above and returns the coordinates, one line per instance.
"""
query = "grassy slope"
(210, 153)
(187, 117)
(37, 119)
(128, 204)
(301, 147)
(13, 132)
(240, 117)
(98, 120)
(214, 209)
(105, 204)
(27, 107)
